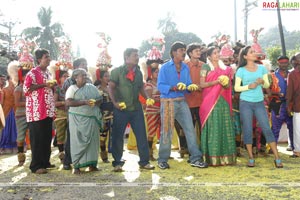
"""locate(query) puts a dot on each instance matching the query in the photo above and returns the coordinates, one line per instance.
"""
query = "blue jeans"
(182, 114)
(137, 122)
(247, 110)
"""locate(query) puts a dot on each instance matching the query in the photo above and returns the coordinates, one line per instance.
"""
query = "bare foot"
(77, 172)
(41, 171)
(93, 169)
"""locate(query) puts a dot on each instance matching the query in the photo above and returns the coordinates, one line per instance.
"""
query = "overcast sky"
(128, 22)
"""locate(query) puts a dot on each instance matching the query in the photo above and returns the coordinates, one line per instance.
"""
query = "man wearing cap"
(293, 103)
(277, 105)
(173, 82)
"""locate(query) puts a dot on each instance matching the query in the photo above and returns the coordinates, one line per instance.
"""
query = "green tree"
(272, 38)
(45, 34)
(186, 38)
(167, 25)
(3, 64)
(144, 48)
(171, 35)
(292, 52)
(273, 53)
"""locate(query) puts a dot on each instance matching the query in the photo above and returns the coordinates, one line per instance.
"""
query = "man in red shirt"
(194, 98)
(40, 107)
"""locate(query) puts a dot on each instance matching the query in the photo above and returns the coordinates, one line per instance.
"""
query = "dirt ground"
(181, 181)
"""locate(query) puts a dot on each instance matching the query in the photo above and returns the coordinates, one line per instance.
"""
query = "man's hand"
(51, 83)
(122, 105)
(181, 86)
(192, 87)
(290, 112)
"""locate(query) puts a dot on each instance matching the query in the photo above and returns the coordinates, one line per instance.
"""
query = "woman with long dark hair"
(106, 109)
(250, 79)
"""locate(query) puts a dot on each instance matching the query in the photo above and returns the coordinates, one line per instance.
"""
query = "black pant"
(67, 159)
(40, 141)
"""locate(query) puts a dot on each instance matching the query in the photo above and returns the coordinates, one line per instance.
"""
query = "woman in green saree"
(217, 134)
(85, 119)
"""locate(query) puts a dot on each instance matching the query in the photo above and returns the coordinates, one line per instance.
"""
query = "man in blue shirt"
(173, 82)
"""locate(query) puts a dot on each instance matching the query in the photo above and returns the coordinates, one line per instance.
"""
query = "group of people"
(192, 92)
(183, 92)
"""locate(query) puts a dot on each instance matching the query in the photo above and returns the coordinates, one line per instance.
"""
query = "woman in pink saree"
(217, 134)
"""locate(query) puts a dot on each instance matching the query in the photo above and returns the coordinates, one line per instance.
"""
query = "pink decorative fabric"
(226, 51)
(210, 95)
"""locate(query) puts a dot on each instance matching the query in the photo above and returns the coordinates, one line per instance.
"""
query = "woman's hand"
(259, 81)
(213, 83)
(91, 102)
(223, 80)
(252, 85)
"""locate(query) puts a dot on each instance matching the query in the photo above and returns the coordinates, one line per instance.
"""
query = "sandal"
(278, 163)
(251, 163)
(294, 156)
